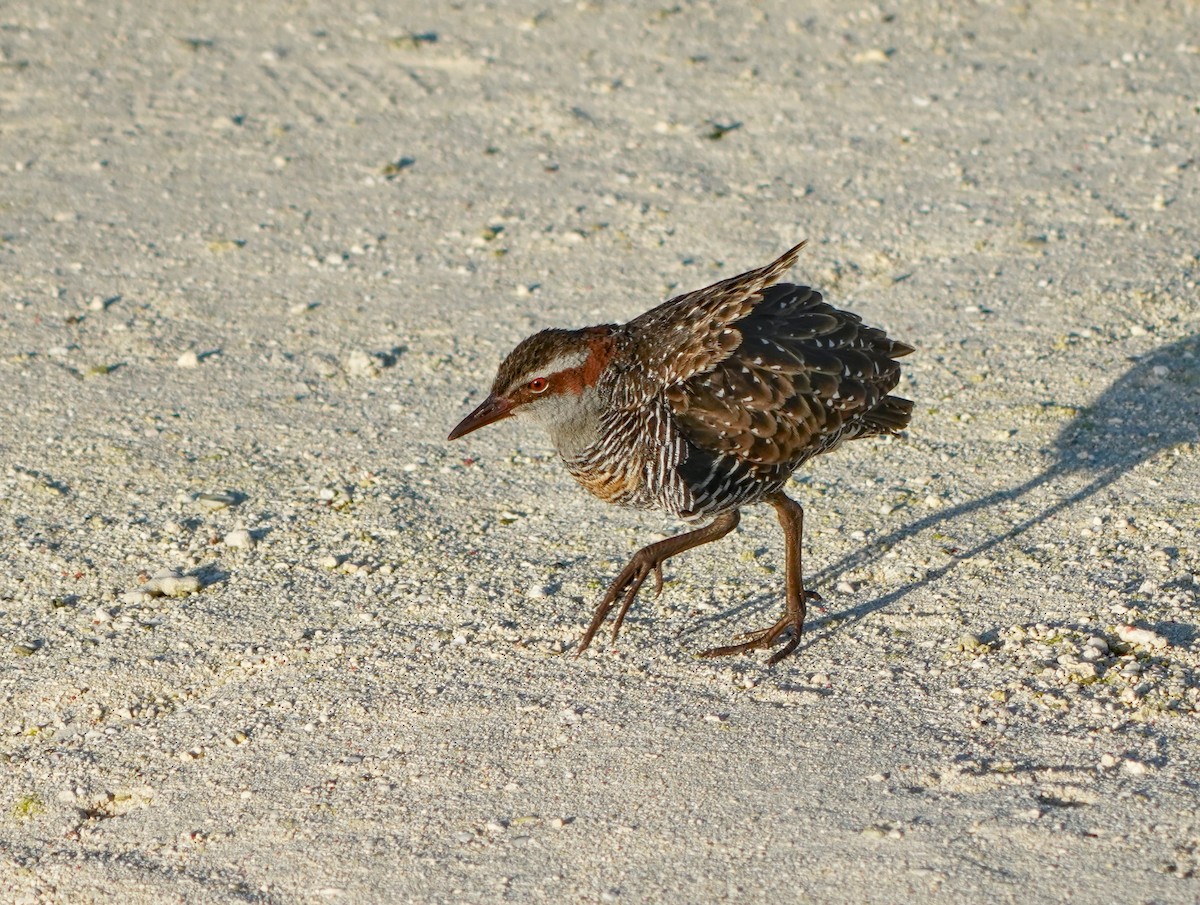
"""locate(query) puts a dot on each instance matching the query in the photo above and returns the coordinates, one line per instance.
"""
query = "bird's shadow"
(1152, 407)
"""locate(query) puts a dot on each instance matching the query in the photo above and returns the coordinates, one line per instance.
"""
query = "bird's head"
(548, 378)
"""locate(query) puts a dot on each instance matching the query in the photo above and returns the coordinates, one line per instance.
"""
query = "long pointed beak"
(494, 408)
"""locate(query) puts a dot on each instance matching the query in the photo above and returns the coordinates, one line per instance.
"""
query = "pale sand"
(277, 253)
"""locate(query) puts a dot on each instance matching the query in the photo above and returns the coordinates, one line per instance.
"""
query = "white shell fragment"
(1142, 637)
(239, 539)
(170, 583)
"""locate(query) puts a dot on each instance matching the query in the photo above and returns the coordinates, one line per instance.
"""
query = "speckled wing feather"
(802, 377)
(691, 333)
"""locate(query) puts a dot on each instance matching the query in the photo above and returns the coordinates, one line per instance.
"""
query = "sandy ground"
(256, 260)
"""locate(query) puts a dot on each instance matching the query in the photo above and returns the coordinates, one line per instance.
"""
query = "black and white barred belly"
(642, 460)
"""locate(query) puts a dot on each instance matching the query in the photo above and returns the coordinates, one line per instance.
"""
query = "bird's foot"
(763, 638)
(792, 621)
(644, 563)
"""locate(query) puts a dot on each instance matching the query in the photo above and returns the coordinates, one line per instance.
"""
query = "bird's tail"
(889, 417)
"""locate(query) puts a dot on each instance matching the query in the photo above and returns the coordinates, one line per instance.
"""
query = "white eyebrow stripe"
(562, 363)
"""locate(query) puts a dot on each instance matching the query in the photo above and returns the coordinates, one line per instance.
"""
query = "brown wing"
(802, 377)
(691, 333)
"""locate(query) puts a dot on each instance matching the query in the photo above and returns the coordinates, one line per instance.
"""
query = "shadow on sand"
(1152, 407)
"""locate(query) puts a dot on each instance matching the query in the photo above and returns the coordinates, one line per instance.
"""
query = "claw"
(649, 560)
(626, 587)
(626, 604)
(762, 638)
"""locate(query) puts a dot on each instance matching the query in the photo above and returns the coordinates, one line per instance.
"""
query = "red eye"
(539, 384)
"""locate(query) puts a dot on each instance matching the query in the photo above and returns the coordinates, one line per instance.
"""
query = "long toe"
(625, 588)
(761, 639)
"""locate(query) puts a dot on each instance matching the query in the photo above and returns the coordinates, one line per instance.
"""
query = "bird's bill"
(492, 409)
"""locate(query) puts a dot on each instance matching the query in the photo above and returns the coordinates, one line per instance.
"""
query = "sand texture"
(266, 637)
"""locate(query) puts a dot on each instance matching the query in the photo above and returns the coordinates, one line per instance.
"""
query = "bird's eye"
(539, 384)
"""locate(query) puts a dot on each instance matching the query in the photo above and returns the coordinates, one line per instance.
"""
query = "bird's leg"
(649, 560)
(791, 517)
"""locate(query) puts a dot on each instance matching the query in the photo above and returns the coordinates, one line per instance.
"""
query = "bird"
(701, 406)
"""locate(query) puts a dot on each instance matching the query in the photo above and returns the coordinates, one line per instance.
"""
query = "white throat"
(572, 421)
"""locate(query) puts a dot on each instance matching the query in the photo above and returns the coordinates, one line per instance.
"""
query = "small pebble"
(188, 359)
(1098, 643)
(211, 502)
(169, 583)
(324, 365)
(1142, 637)
(1135, 767)
(178, 586)
(362, 364)
(240, 539)
(1132, 669)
